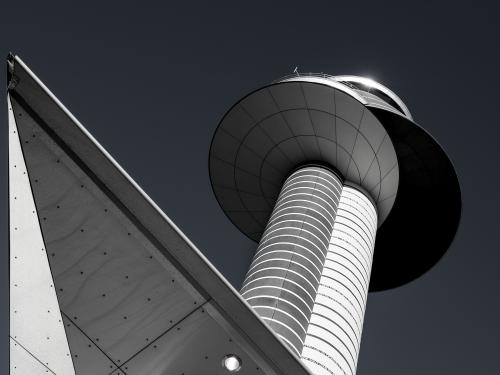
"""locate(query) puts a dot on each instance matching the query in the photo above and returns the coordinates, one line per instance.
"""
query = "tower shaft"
(334, 332)
(310, 274)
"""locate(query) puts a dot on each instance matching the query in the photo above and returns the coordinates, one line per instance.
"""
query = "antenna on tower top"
(296, 70)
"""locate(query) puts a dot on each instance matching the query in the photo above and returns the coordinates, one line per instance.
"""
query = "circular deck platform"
(368, 137)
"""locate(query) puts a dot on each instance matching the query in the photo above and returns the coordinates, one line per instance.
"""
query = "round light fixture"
(231, 363)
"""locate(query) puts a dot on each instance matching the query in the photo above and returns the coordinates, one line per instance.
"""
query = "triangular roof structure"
(102, 281)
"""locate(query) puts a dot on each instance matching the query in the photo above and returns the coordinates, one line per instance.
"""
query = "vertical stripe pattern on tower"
(283, 279)
(334, 332)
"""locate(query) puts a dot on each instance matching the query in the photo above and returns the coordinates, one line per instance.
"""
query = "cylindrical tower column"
(334, 332)
(283, 279)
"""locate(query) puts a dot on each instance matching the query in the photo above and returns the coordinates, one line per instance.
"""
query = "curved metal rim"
(374, 84)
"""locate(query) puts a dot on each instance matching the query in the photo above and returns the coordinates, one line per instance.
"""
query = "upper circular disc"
(300, 120)
(270, 132)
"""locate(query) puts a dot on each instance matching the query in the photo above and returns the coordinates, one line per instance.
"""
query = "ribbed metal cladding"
(284, 276)
(334, 332)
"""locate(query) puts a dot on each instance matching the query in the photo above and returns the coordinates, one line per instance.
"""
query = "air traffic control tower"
(344, 194)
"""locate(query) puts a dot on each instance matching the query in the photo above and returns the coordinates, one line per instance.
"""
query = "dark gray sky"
(151, 82)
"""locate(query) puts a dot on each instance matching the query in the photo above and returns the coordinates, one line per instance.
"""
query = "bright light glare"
(231, 363)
